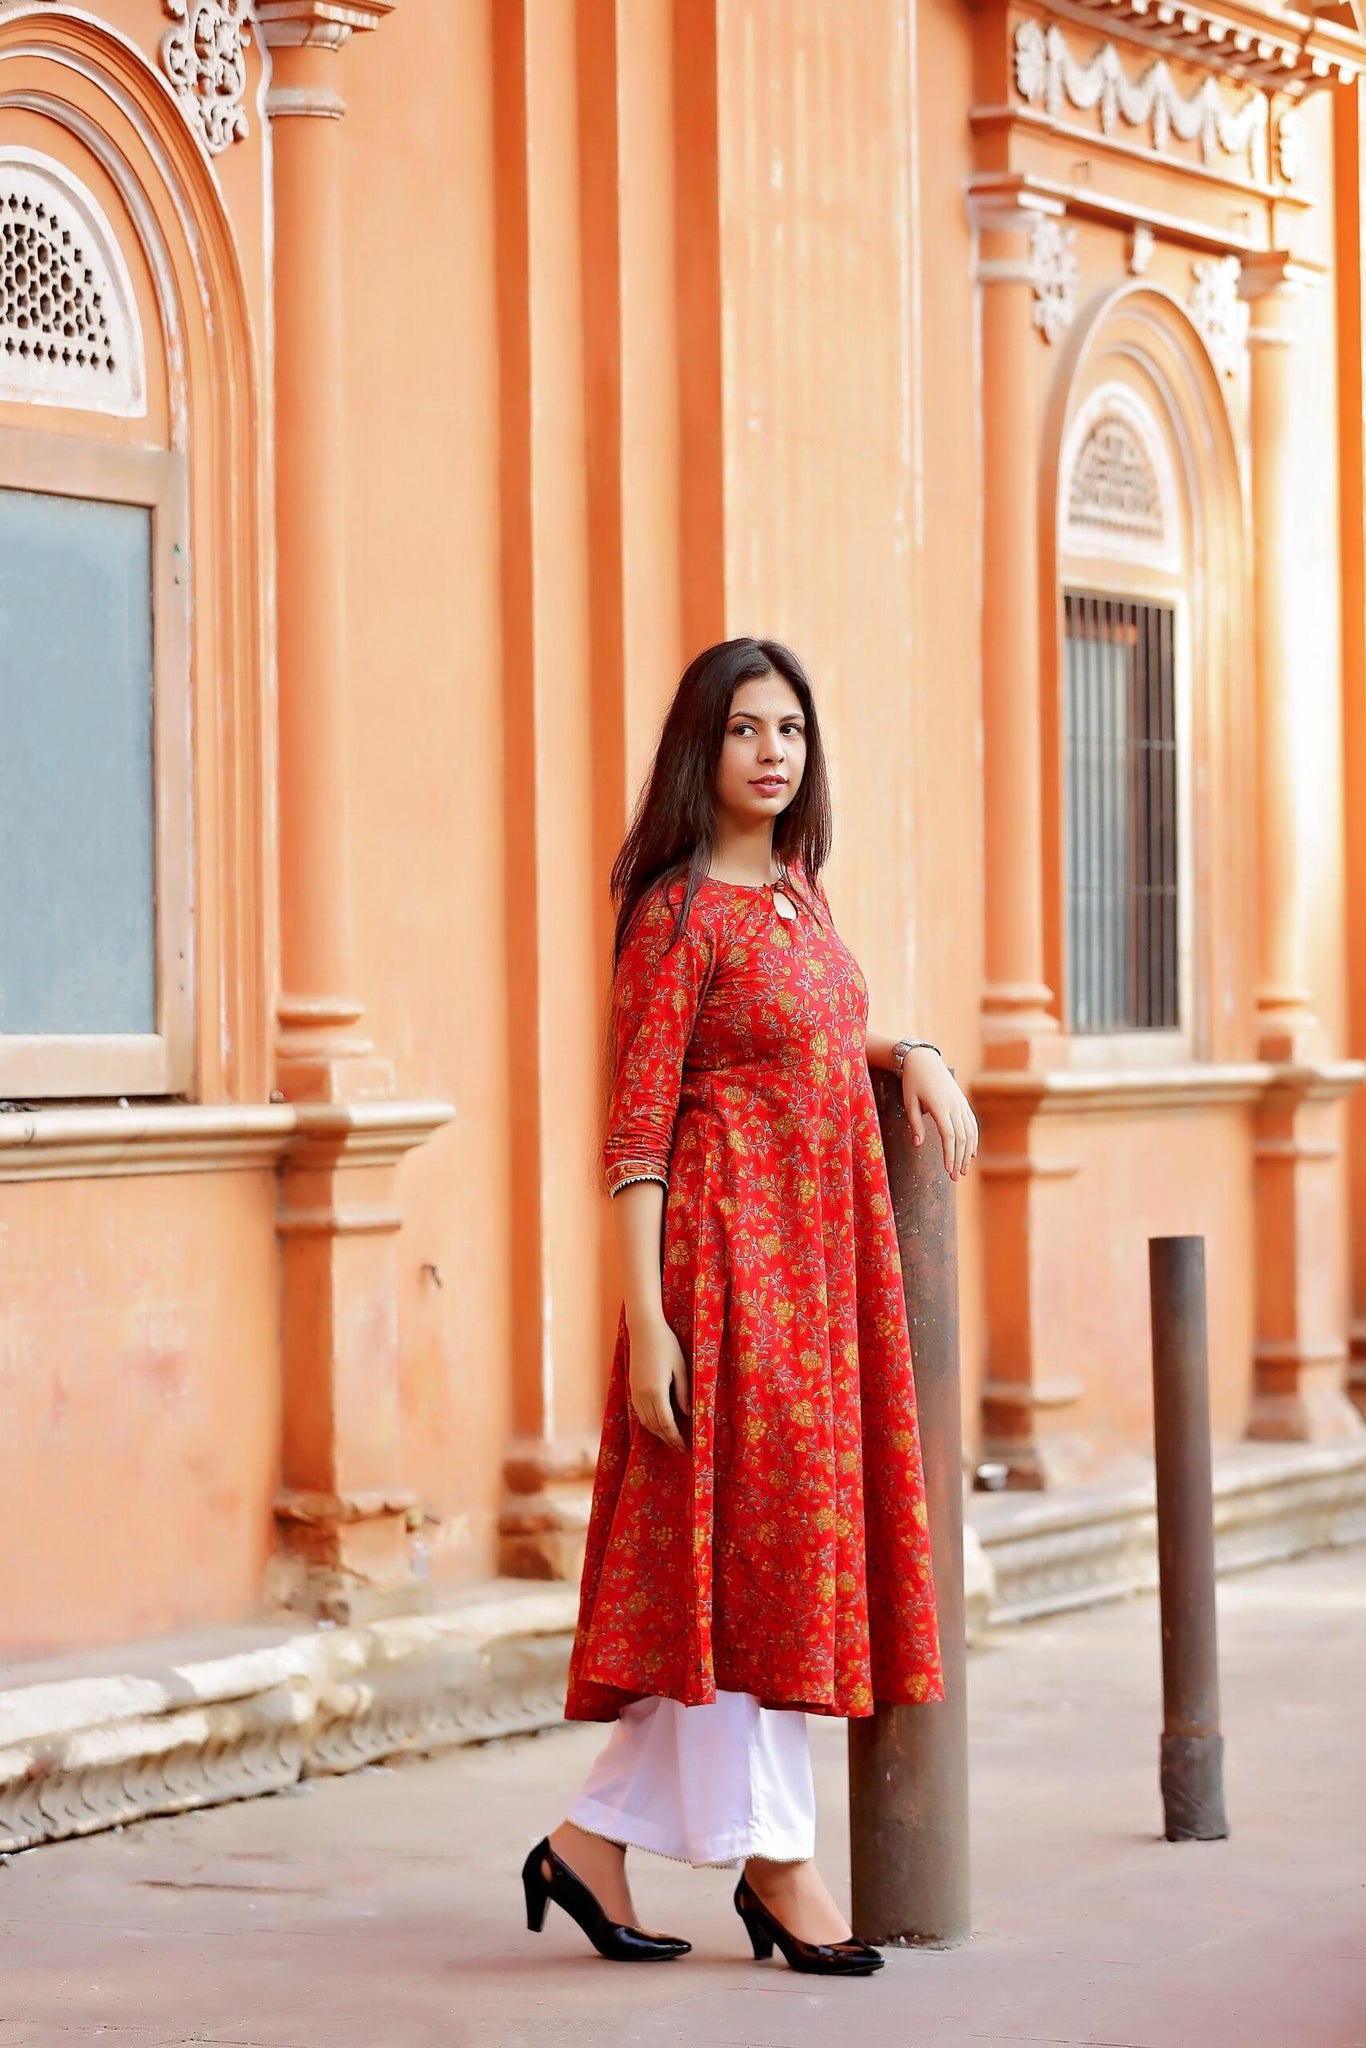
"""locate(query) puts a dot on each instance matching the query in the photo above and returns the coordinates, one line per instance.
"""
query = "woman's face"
(763, 755)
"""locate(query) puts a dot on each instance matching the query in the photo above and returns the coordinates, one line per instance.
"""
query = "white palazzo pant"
(709, 1784)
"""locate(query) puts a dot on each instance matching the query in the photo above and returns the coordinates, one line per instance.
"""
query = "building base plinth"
(543, 1527)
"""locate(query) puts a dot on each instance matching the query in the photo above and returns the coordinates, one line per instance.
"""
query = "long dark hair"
(671, 828)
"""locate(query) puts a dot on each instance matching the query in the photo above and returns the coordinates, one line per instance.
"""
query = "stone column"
(1301, 1340)
(1017, 229)
(545, 148)
(1026, 272)
(1286, 1025)
(321, 1052)
(345, 1516)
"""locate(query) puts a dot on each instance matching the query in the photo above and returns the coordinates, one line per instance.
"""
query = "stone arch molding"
(1119, 493)
(70, 334)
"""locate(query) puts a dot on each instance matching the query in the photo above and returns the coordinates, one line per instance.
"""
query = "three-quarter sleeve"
(656, 991)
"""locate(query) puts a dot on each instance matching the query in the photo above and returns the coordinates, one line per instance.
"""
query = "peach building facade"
(393, 394)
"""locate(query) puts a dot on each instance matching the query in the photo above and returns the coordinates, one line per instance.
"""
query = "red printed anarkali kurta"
(785, 1555)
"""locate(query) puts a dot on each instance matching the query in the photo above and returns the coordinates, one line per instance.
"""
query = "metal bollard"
(1192, 1770)
(908, 1766)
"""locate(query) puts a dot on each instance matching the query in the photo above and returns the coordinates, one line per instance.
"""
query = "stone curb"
(88, 1753)
(1052, 1552)
(83, 1753)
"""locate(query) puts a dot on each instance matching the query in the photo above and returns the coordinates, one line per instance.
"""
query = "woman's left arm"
(928, 1089)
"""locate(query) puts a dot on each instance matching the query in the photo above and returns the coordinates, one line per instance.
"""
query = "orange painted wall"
(139, 1404)
(1169, 1174)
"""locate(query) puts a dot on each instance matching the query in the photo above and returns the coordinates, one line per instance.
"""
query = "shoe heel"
(537, 1891)
(760, 1940)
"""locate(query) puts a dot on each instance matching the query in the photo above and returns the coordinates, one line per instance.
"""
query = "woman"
(757, 1548)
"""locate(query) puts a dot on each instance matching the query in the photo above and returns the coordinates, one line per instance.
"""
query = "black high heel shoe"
(546, 1876)
(850, 1958)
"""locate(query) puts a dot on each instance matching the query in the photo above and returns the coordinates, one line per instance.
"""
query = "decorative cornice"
(1009, 203)
(1049, 76)
(1069, 1091)
(204, 56)
(1313, 1081)
(1276, 270)
(1293, 50)
(325, 24)
(81, 1144)
(375, 1133)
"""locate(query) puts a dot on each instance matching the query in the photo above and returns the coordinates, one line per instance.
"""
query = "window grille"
(1121, 814)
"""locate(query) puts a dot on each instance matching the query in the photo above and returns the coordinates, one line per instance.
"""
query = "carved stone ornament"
(69, 328)
(1290, 149)
(1114, 485)
(1053, 274)
(205, 60)
(1218, 312)
(1047, 75)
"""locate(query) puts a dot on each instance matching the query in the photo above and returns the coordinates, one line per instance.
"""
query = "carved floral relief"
(1053, 267)
(1218, 311)
(205, 59)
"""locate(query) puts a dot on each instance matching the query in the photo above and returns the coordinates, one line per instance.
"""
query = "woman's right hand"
(659, 1370)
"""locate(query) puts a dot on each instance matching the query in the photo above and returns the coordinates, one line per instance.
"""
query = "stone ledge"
(82, 1753)
(1073, 1547)
(90, 1742)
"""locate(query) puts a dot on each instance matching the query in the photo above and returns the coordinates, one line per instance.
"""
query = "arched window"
(1124, 860)
(95, 744)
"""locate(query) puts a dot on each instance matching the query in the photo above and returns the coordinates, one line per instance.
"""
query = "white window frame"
(159, 1063)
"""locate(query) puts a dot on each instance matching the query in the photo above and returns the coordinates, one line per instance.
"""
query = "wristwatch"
(905, 1045)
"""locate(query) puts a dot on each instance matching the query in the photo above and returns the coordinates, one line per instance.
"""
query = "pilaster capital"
(1023, 239)
(320, 24)
(1272, 283)
(1275, 272)
(1008, 204)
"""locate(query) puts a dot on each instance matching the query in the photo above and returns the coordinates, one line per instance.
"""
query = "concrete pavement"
(382, 1910)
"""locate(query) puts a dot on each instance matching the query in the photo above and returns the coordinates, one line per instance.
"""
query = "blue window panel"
(77, 806)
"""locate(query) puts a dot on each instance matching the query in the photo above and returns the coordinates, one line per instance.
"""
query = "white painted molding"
(80, 1144)
(204, 56)
(1047, 75)
(1142, 243)
(1069, 1091)
(1054, 272)
(70, 332)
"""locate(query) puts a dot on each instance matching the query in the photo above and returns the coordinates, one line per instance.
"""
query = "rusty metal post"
(1192, 1771)
(908, 1766)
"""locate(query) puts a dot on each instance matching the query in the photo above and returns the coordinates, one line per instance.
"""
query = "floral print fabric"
(785, 1554)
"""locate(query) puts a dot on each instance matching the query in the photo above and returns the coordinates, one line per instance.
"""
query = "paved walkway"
(382, 1910)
